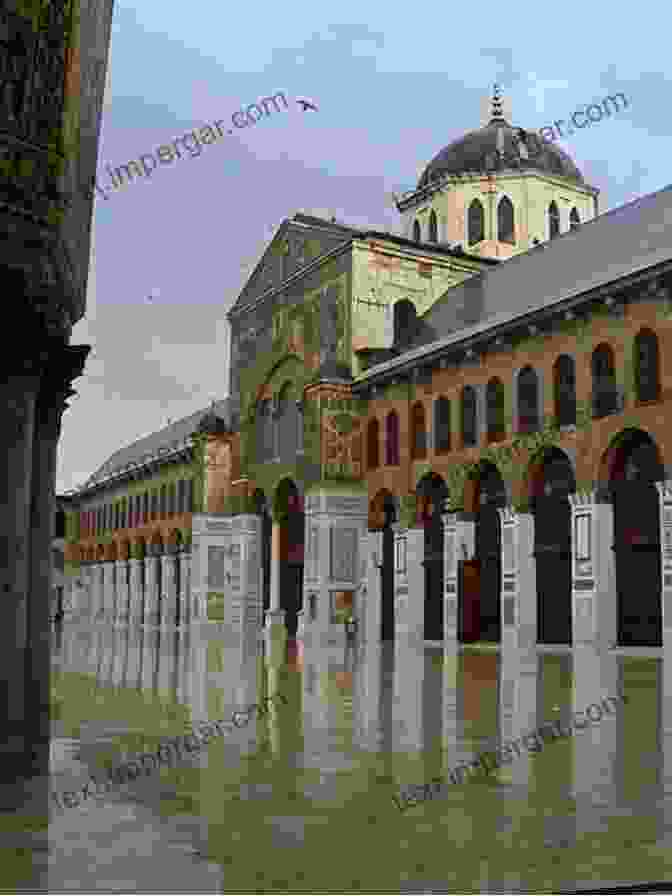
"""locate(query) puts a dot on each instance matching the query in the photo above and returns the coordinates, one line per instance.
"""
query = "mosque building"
(456, 435)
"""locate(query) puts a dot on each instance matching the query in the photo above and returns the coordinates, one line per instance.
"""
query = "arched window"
(416, 231)
(475, 223)
(528, 400)
(418, 431)
(647, 376)
(372, 445)
(163, 502)
(145, 507)
(553, 220)
(604, 382)
(392, 439)
(441, 425)
(564, 391)
(404, 320)
(505, 223)
(574, 220)
(154, 505)
(494, 406)
(189, 495)
(469, 417)
(433, 228)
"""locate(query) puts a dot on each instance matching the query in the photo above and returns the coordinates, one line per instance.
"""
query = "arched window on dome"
(553, 220)
(574, 219)
(505, 222)
(416, 231)
(475, 223)
(433, 228)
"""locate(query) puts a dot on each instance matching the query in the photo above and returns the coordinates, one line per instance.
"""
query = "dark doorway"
(491, 497)
(552, 484)
(291, 553)
(636, 467)
(433, 493)
(262, 508)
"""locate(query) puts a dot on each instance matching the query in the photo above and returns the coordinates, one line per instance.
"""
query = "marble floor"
(300, 800)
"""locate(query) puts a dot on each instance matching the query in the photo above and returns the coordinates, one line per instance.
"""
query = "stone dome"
(496, 147)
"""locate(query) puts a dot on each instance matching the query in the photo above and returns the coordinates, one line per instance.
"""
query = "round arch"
(550, 481)
(633, 465)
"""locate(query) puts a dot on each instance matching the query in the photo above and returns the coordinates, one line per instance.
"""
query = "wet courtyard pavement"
(300, 799)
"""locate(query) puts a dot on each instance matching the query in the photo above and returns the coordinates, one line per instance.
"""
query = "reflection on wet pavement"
(301, 800)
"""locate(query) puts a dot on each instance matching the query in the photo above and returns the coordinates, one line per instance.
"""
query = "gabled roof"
(620, 242)
(170, 437)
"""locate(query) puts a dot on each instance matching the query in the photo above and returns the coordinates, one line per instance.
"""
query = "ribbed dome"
(478, 151)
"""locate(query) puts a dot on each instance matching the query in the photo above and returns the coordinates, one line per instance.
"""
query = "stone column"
(94, 598)
(451, 555)
(135, 588)
(594, 605)
(409, 586)
(246, 534)
(211, 534)
(336, 529)
(151, 607)
(518, 716)
(184, 559)
(372, 598)
(109, 590)
(275, 616)
(169, 587)
(665, 493)
(122, 592)
(519, 581)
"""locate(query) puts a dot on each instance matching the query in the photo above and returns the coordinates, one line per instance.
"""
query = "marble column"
(451, 566)
(275, 616)
(409, 586)
(184, 559)
(336, 533)
(519, 581)
(371, 598)
(122, 592)
(169, 588)
(109, 590)
(136, 592)
(665, 493)
(594, 602)
(151, 607)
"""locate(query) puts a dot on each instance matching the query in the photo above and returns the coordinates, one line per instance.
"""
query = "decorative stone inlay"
(343, 553)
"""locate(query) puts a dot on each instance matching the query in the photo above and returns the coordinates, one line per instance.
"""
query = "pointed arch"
(416, 231)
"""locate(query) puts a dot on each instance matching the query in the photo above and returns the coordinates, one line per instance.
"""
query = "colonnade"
(154, 590)
(594, 601)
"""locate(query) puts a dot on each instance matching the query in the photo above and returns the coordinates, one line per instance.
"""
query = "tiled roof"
(627, 239)
(167, 438)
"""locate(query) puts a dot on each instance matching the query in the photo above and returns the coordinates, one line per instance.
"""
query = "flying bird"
(306, 104)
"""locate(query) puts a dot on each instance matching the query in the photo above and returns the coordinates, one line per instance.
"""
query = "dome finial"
(497, 102)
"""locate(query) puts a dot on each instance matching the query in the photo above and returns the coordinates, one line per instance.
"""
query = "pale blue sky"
(394, 84)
